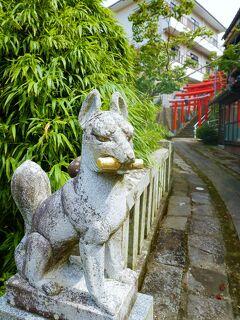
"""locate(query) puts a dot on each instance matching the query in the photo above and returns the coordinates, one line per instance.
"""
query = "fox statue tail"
(30, 186)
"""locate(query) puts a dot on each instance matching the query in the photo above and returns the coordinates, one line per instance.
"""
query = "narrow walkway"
(188, 274)
(220, 168)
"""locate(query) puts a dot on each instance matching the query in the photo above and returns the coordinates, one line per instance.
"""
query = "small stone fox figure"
(88, 210)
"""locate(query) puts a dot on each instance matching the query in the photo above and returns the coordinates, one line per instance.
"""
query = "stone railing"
(147, 191)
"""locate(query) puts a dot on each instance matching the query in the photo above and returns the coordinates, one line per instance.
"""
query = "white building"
(202, 47)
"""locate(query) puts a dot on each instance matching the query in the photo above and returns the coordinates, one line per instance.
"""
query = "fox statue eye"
(101, 138)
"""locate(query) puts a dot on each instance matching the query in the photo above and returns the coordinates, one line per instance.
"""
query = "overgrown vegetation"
(230, 59)
(52, 53)
(158, 52)
(208, 133)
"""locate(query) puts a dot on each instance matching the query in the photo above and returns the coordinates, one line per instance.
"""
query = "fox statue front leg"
(92, 249)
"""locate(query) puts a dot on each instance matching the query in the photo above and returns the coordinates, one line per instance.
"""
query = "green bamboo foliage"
(53, 52)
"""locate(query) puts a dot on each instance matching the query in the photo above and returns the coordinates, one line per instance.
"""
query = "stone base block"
(72, 303)
(142, 310)
(8, 312)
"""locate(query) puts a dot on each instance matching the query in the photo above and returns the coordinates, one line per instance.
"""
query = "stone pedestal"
(142, 310)
(72, 303)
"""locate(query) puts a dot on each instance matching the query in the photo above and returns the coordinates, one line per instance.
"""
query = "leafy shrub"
(208, 134)
(52, 53)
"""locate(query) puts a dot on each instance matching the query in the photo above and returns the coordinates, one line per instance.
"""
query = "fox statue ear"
(118, 104)
(90, 105)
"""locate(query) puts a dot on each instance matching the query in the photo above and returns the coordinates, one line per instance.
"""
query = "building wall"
(230, 115)
(201, 48)
(229, 99)
(122, 16)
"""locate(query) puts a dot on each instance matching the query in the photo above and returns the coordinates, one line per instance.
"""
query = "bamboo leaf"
(13, 129)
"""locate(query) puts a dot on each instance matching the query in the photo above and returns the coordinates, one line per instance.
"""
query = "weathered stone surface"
(8, 312)
(179, 188)
(201, 211)
(178, 192)
(170, 248)
(179, 200)
(179, 206)
(200, 197)
(223, 181)
(205, 245)
(88, 211)
(195, 182)
(165, 309)
(205, 260)
(207, 283)
(200, 308)
(71, 304)
(212, 245)
(142, 310)
(180, 185)
(164, 283)
(183, 165)
(208, 226)
(178, 223)
(204, 288)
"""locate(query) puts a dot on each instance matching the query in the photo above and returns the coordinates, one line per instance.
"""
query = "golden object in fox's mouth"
(112, 164)
(105, 164)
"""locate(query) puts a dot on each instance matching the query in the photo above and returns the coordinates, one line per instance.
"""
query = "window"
(195, 23)
(176, 53)
(194, 57)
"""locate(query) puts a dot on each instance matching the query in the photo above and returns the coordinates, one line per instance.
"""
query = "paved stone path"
(222, 168)
(187, 274)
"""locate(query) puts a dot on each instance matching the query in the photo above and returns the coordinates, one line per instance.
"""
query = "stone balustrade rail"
(147, 191)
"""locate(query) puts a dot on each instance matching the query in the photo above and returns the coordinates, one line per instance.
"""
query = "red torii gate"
(196, 96)
(195, 102)
(206, 84)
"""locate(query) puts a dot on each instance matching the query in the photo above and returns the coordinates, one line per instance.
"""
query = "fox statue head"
(105, 133)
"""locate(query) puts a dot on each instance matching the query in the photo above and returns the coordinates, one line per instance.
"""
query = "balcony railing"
(199, 67)
(213, 41)
(189, 23)
(193, 26)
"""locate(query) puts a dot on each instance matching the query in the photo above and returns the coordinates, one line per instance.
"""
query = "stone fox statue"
(88, 210)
